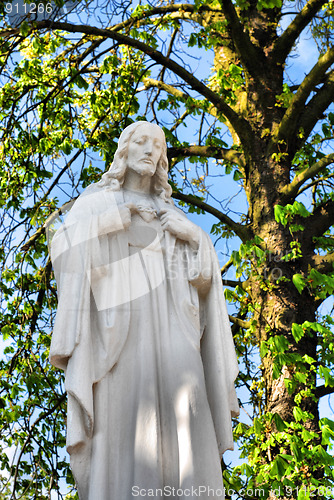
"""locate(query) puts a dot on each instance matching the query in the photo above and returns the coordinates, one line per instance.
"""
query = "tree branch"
(286, 41)
(239, 322)
(33, 238)
(240, 230)
(323, 263)
(226, 266)
(291, 190)
(321, 219)
(166, 9)
(239, 124)
(150, 82)
(170, 89)
(231, 283)
(315, 108)
(207, 151)
(235, 283)
(313, 183)
(290, 120)
(322, 391)
(252, 58)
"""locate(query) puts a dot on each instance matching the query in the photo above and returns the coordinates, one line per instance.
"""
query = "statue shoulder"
(92, 188)
(97, 198)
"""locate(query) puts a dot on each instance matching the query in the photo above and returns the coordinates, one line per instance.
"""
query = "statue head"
(115, 176)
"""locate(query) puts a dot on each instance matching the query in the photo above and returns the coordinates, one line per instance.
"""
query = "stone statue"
(143, 335)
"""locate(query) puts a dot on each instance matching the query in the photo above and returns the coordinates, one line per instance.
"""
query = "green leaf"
(297, 330)
(296, 451)
(263, 348)
(290, 385)
(24, 28)
(299, 414)
(326, 374)
(278, 468)
(81, 82)
(327, 435)
(307, 436)
(279, 214)
(299, 282)
(280, 342)
(279, 422)
(237, 175)
(301, 377)
(66, 147)
(257, 426)
(299, 208)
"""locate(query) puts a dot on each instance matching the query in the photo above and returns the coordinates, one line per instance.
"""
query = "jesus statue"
(143, 335)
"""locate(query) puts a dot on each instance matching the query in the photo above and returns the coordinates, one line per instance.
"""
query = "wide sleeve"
(219, 359)
(90, 238)
(79, 245)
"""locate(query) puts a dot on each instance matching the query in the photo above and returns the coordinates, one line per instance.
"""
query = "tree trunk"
(277, 302)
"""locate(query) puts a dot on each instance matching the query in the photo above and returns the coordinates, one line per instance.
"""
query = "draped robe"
(143, 335)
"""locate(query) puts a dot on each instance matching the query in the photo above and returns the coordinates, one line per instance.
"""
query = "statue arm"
(74, 248)
(219, 359)
(200, 263)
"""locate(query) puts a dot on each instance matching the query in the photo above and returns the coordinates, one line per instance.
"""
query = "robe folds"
(143, 335)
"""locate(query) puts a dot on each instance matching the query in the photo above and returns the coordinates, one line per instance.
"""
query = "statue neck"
(137, 183)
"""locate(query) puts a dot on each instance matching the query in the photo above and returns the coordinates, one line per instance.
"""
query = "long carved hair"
(115, 176)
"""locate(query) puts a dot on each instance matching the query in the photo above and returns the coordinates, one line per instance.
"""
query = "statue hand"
(179, 226)
(125, 213)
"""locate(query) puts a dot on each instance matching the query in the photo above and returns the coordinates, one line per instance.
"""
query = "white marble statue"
(143, 334)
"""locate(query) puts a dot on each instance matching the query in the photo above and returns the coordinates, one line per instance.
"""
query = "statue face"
(144, 150)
